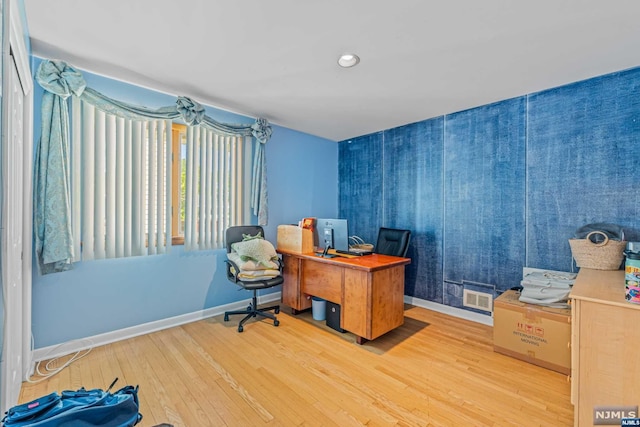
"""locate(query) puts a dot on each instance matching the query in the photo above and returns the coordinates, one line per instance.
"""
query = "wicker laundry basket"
(605, 255)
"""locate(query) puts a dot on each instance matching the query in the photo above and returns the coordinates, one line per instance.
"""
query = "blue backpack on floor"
(81, 408)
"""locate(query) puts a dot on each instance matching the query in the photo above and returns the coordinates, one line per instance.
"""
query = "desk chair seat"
(234, 235)
(393, 242)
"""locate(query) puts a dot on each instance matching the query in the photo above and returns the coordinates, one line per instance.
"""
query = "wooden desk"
(369, 289)
(604, 344)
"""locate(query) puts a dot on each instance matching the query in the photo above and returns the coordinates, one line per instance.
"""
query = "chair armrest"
(232, 270)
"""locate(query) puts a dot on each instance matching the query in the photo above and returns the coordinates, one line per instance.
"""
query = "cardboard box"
(294, 239)
(536, 334)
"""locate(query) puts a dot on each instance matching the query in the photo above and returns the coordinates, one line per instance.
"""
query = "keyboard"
(356, 252)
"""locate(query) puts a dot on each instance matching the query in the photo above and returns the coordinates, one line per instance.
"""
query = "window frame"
(178, 131)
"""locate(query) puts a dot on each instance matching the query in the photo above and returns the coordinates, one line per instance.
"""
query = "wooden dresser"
(605, 345)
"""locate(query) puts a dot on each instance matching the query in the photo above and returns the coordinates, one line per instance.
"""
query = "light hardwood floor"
(435, 370)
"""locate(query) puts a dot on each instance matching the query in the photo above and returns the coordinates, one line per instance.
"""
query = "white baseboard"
(452, 311)
(73, 346)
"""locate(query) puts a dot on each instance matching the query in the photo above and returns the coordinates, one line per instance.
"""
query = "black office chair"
(392, 241)
(236, 234)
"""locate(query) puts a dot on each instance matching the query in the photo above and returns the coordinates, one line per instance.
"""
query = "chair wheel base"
(253, 311)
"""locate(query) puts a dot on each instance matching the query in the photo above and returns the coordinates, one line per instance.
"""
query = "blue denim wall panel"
(583, 160)
(484, 194)
(413, 200)
(454, 293)
(360, 184)
(507, 186)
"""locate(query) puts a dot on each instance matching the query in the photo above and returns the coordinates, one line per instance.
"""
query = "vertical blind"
(215, 187)
(120, 186)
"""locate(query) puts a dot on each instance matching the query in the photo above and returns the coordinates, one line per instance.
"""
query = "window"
(178, 181)
(140, 185)
(217, 183)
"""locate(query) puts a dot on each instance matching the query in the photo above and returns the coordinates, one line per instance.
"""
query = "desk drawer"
(322, 280)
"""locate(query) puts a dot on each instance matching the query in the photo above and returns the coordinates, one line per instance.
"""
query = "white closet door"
(12, 229)
(16, 196)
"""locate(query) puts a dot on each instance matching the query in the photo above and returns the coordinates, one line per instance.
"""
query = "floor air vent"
(478, 300)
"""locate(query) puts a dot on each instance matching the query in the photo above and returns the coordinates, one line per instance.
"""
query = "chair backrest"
(235, 234)
(392, 241)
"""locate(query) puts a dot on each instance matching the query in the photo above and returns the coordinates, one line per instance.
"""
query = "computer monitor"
(332, 232)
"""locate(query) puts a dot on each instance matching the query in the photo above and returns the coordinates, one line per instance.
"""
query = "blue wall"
(106, 295)
(492, 189)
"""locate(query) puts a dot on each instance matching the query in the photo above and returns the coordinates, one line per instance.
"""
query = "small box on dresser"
(536, 334)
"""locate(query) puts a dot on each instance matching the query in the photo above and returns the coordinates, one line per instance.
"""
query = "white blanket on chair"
(258, 275)
(250, 264)
(259, 250)
(255, 258)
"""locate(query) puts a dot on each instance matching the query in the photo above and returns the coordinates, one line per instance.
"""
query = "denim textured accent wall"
(492, 189)
(484, 190)
(583, 163)
(412, 199)
(395, 180)
(360, 195)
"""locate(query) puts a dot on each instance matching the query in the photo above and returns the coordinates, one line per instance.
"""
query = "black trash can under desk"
(333, 316)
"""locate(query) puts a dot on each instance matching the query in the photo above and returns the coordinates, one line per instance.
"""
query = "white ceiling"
(277, 59)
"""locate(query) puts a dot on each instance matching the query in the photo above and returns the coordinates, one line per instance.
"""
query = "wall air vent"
(478, 300)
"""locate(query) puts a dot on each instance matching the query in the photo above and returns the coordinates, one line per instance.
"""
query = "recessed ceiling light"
(348, 60)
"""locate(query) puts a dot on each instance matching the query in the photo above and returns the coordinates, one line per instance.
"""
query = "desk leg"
(360, 340)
